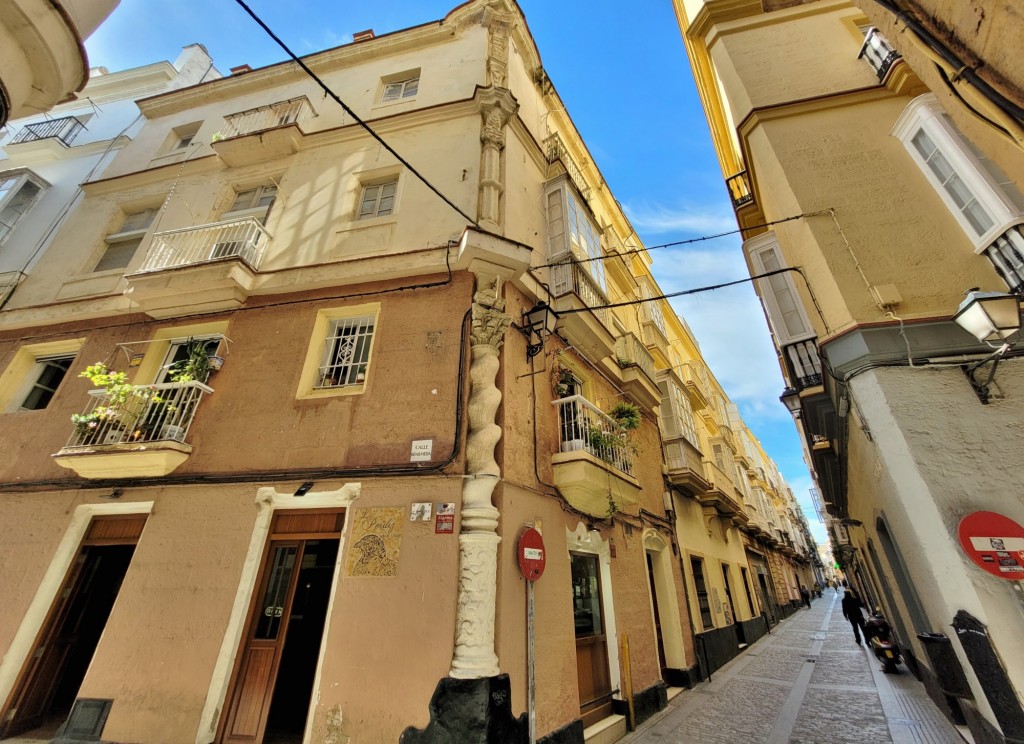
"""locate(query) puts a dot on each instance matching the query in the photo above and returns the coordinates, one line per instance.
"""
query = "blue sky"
(621, 70)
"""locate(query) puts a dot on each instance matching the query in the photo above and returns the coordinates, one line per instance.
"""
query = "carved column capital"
(497, 106)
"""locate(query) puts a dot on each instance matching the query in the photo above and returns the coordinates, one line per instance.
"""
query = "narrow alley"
(806, 683)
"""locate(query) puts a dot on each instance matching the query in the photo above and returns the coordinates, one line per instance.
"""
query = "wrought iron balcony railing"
(152, 413)
(64, 129)
(803, 363)
(569, 277)
(293, 111)
(739, 189)
(1007, 255)
(243, 238)
(584, 427)
(556, 152)
(878, 52)
(629, 350)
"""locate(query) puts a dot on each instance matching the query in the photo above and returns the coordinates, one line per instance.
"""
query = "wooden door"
(593, 675)
(254, 684)
(43, 672)
(657, 614)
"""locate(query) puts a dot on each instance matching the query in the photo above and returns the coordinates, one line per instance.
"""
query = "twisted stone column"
(478, 539)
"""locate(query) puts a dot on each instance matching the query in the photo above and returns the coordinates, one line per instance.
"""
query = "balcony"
(199, 269)
(686, 466)
(281, 128)
(636, 367)
(739, 189)
(1007, 256)
(593, 468)
(878, 53)
(142, 436)
(722, 495)
(696, 385)
(803, 365)
(63, 130)
(577, 297)
(557, 154)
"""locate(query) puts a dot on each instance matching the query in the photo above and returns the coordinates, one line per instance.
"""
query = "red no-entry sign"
(531, 554)
(994, 542)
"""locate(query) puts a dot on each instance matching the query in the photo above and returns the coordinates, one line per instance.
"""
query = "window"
(378, 200)
(340, 352)
(47, 376)
(677, 413)
(785, 311)
(19, 191)
(585, 239)
(121, 246)
(182, 137)
(35, 373)
(347, 352)
(703, 604)
(982, 199)
(400, 89)
(255, 202)
(179, 352)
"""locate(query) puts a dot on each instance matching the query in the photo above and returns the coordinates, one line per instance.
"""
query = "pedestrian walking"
(853, 610)
(805, 595)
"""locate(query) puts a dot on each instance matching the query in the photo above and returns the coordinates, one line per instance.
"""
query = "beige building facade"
(284, 502)
(877, 181)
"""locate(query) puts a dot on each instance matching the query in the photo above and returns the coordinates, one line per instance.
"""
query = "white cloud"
(658, 219)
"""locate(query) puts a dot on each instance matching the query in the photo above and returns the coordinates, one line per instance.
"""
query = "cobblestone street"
(806, 683)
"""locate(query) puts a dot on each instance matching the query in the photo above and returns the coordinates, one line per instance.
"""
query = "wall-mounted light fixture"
(791, 400)
(990, 317)
(540, 322)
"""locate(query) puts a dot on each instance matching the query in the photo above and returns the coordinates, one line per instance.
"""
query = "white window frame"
(32, 380)
(925, 114)
(380, 184)
(347, 348)
(254, 209)
(400, 90)
(20, 178)
(135, 235)
(677, 413)
(24, 369)
(758, 250)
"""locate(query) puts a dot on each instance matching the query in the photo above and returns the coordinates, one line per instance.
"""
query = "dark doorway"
(657, 614)
(49, 684)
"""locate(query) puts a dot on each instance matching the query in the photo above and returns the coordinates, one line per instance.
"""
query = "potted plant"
(562, 381)
(627, 415)
(196, 366)
(123, 404)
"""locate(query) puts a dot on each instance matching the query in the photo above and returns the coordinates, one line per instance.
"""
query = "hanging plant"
(561, 379)
(627, 415)
(196, 366)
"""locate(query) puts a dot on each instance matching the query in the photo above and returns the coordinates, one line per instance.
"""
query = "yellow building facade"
(876, 182)
(320, 406)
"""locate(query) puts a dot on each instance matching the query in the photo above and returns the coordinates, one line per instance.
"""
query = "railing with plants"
(293, 111)
(122, 413)
(630, 350)
(585, 427)
(243, 238)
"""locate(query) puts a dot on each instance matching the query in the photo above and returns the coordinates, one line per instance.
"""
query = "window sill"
(333, 392)
(392, 104)
(367, 222)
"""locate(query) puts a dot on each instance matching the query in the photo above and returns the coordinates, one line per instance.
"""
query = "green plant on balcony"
(561, 381)
(195, 366)
(121, 402)
(623, 362)
(627, 415)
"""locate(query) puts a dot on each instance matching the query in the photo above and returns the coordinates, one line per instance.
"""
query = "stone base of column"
(471, 711)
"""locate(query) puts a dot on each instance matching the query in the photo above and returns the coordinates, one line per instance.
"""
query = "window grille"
(347, 352)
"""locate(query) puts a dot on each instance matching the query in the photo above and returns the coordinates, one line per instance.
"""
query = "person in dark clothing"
(805, 596)
(853, 610)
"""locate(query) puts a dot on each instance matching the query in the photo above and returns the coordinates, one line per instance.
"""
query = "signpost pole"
(531, 681)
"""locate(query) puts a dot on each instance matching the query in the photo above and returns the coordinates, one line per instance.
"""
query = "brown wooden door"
(74, 608)
(257, 673)
(593, 675)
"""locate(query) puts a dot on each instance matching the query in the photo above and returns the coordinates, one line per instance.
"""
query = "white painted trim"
(755, 248)
(24, 640)
(582, 541)
(667, 596)
(268, 500)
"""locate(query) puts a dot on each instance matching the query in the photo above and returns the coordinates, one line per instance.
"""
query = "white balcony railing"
(243, 238)
(569, 277)
(585, 427)
(154, 413)
(293, 111)
(629, 350)
(1007, 256)
(879, 53)
(556, 152)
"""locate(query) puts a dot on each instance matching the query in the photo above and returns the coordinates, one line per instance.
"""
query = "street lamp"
(989, 317)
(791, 399)
(540, 322)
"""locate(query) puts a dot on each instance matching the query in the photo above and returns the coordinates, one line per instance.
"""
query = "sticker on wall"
(420, 511)
(375, 538)
(445, 522)
(422, 450)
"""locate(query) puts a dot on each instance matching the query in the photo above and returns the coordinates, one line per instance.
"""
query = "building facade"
(278, 414)
(873, 154)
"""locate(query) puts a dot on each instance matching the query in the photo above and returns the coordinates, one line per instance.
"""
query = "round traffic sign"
(531, 554)
(994, 542)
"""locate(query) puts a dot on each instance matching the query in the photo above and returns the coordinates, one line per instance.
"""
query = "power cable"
(353, 114)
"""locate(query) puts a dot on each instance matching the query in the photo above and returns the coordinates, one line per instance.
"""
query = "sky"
(622, 73)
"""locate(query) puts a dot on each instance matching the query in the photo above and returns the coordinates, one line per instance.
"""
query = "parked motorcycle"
(878, 634)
